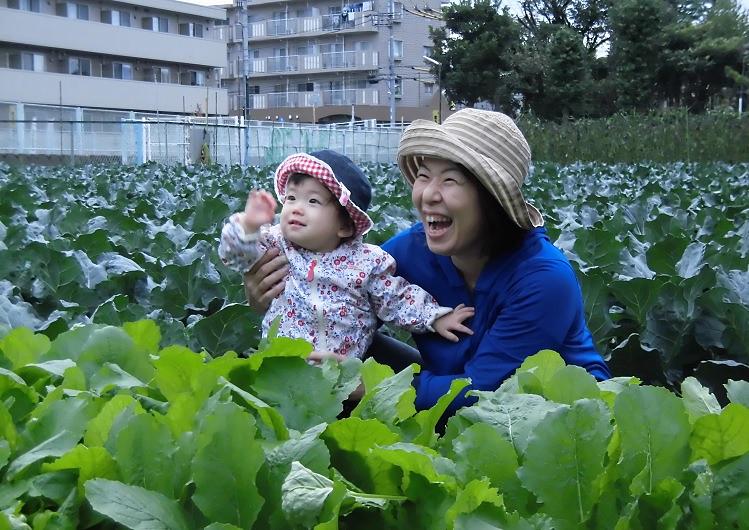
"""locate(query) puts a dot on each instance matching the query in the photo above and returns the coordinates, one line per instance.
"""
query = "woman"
(479, 243)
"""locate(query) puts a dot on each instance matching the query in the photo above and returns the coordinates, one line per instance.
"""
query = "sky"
(509, 3)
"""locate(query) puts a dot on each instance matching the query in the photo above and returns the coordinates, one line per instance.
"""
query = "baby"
(338, 286)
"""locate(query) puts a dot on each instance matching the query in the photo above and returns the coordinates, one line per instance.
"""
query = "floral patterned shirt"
(333, 299)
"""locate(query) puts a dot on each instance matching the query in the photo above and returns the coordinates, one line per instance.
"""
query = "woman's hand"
(266, 280)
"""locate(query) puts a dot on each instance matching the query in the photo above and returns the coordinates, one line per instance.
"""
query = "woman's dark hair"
(343, 215)
(500, 234)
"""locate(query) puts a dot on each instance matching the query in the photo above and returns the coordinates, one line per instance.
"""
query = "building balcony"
(317, 98)
(50, 31)
(83, 91)
(355, 22)
(310, 64)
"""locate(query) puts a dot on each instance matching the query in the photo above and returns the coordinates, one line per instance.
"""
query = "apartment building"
(141, 55)
(328, 60)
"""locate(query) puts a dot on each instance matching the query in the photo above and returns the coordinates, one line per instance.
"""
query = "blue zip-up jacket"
(525, 302)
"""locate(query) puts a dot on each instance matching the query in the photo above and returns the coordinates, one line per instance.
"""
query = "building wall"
(120, 63)
(329, 60)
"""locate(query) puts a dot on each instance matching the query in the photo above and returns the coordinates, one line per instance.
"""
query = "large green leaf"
(717, 437)
(652, 449)
(697, 399)
(391, 400)
(226, 465)
(21, 346)
(235, 327)
(731, 494)
(144, 449)
(565, 458)
(515, 416)
(134, 507)
(351, 441)
(273, 384)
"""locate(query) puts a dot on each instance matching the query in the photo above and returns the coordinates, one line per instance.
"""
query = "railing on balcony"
(322, 61)
(317, 98)
(293, 26)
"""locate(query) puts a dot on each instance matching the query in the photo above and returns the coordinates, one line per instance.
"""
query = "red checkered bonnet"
(307, 164)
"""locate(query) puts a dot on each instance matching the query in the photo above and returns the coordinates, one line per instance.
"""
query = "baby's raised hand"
(451, 323)
(259, 210)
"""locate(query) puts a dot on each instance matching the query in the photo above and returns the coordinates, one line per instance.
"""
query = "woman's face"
(448, 203)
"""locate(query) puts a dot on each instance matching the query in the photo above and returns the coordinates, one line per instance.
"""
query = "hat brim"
(424, 138)
(311, 166)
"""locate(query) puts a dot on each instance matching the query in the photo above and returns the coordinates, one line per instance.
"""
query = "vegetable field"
(120, 408)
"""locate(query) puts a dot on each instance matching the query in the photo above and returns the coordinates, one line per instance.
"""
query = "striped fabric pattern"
(488, 144)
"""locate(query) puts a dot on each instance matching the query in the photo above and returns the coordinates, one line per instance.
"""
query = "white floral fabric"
(333, 299)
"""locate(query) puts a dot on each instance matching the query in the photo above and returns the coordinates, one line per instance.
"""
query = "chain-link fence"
(47, 134)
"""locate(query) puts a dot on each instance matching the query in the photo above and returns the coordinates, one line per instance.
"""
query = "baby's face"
(310, 218)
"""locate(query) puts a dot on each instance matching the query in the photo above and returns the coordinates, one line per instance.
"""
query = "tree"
(701, 50)
(477, 49)
(553, 72)
(637, 50)
(588, 18)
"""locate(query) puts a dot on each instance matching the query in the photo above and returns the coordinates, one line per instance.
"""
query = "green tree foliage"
(637, 49)
(701, 48)
(592, 58)
(477, 48)
(588, 18)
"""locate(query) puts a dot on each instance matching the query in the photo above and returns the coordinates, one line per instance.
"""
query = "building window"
(191, 29)
(156, 24)
(304, 12)
(192, 78)
(24, 5)
(428, 88)
(78, 66)
(118, 70)
(397, 49)
(33, 62)
(305, 87)
(116, 17)
(72, 10)
(398, 87)
(253, 89)
(161, 74)
(426, 51)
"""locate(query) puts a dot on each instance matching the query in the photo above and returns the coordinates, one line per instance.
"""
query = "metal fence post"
(78, 130)
(20, 128)
(72, 144)
(166, 141)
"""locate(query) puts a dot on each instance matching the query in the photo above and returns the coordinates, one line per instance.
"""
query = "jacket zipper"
(317, 304)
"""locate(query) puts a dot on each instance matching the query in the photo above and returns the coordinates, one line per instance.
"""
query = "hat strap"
(345, 194)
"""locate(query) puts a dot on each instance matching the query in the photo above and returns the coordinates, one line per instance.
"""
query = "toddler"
(338, 286)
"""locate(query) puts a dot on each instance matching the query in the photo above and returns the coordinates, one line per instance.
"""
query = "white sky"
(509, 3)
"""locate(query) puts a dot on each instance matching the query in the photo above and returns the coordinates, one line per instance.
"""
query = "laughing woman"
(479, 243)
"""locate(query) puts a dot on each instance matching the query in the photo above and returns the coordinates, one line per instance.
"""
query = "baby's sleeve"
(398, 302)
(238, 249)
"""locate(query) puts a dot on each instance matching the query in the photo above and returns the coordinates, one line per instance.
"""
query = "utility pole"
(439, 83)
(245, 57)
(391, 63)
(386, 19)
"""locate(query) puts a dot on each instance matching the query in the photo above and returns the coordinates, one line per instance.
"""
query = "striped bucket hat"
(488, 144)
(345, 180)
